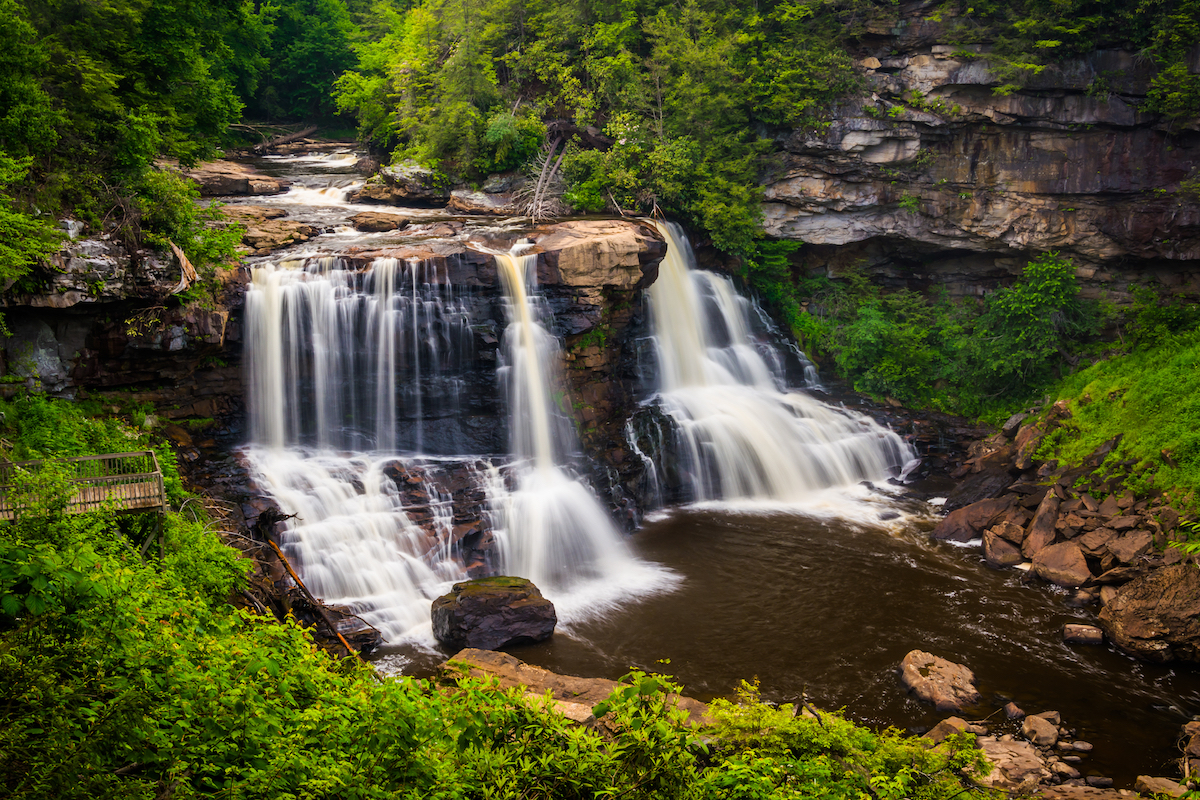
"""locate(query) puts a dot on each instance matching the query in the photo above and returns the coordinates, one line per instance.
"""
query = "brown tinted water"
(829, 608)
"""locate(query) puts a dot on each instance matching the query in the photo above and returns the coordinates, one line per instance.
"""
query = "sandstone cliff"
(933, 178)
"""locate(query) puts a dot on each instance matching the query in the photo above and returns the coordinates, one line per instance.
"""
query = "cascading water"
(337, 357)
(550, 527)
(738, 435)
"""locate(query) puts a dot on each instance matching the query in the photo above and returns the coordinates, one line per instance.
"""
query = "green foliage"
(1154, 320)
(308, 45)
(1152, 396)
(24, 239)
(687, 93)
(968, 357)
(169, 214)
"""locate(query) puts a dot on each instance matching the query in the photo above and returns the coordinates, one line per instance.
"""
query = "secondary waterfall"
(738, 433)
(550, 527)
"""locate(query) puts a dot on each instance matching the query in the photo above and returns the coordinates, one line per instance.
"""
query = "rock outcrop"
(406, 184)
(573, 697)
(935, 179)
(1157, 616)
(490, 613)
(228, 178)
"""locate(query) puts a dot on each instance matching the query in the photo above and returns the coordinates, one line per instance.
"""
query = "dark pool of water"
(823, 607)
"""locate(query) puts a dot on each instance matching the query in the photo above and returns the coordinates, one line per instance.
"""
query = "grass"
(1153, 398)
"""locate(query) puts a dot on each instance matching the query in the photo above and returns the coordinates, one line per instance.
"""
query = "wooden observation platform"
(120, 482)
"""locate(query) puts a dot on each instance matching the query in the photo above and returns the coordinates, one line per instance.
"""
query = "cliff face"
(934, 178)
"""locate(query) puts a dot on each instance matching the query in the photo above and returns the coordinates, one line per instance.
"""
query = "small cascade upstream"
(550, 527)
(738, 435)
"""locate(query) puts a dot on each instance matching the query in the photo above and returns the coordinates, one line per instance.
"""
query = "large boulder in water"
(1157, 616)
(947, 685)
(490, 613)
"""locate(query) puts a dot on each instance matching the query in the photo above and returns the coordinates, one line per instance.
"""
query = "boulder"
(998, 552)
(1157, 615)
(1062, 564)
(969, 522)
(1010, 532)
(1013, 711)
(950, 726)
(465, 201)
(1082, 634)
(407, 183)
(1041, 531)
(1156, 786)
(1127, 548)
(1040, 731)
(1094, 543)
(272, 234)
(378, 222)
(948, 686)
(490, 613)
(1015, 764)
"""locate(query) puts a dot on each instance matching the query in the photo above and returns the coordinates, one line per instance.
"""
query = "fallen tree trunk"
(278, 140)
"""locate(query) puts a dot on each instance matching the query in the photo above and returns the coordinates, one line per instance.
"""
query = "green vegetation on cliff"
(131, 680)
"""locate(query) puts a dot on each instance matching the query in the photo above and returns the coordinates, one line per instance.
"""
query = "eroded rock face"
(959, 186)
(1157, 616)
(490, 613)
(948, 686)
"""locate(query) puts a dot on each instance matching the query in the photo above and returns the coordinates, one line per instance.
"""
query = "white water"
(551, 528)
(740, 436)
(351, 541)
(336, 355)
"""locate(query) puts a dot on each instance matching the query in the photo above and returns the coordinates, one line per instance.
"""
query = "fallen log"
(284, 139)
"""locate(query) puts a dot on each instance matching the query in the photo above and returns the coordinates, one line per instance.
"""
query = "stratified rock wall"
(933, 178)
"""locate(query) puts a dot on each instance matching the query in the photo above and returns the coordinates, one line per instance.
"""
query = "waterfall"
(739, 435)
(336, 356)
(548, 524)
(339, 354)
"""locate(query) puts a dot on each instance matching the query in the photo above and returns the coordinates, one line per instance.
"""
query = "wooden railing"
(121, 482)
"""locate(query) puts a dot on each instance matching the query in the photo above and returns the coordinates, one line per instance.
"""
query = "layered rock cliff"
(935, 178)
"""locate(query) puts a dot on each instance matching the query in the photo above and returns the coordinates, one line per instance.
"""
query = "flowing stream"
(374, 402)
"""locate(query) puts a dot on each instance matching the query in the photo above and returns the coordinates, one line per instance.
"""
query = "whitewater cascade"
(550, 527)
(737, 432)
(336, 356)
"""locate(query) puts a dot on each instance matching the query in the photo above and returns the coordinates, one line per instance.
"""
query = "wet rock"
(1000, 553)
(1013, 711)
(1082, 634)
(407, 183)
(1157, 616)
(1015, 764)
(1155, 786)
(1041, 531)
(1064, 770)
(511, 672)
(1099, 781)
(1040, 731)
(378, 222)
(225, 178)
(948, 686)
(1053, 717)
(1062, 564)
(266, 235)
(490, 613)
(969, 522)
